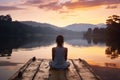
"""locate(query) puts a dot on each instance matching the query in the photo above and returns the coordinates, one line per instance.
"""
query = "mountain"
(102, 25)
(73, 27)
(83, 27)
(48, 29)
(38, 24)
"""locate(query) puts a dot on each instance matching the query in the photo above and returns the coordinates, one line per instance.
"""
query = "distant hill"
(38, 24)
(102, 25)
(83, 27)
(73, 27)
(49, 29)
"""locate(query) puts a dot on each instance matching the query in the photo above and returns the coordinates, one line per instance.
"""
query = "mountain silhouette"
(83, 26)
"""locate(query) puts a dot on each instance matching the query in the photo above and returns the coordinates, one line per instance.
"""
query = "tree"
(114, 19)
(6, 18)
(113, 27)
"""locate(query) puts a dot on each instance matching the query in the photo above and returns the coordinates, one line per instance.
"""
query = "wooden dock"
(38, 69)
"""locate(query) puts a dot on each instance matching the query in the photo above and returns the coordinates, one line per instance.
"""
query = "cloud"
(39, 2)
(111, 6)
(50, 6)
(33, 2)
(70, 4)
(90, 3)
(6, 8)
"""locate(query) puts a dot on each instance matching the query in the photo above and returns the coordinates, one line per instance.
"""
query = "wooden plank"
(71, 73)
(83, 71)
(43, 72)
(57, 75)
(31, 70)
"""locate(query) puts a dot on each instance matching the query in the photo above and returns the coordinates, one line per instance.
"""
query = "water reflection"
(81, 42)
(113, 49)
(113, 65)
(112, 53)
(95, 40)
(18, 51)
(8, 44)
(113, 46)
(5, 52)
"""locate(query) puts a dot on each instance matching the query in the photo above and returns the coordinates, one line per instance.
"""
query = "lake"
(15, 52)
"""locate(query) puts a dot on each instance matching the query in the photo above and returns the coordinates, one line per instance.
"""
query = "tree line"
(111, 31)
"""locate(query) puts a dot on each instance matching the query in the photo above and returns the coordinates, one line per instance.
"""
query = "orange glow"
(68, 13)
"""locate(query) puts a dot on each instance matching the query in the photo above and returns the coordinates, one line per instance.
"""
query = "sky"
(60, 12)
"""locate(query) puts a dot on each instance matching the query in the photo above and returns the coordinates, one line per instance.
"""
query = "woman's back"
(59, 58)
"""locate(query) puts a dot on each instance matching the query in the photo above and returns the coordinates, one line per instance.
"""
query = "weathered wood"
(43, 71)
(83, 71)
(71, 72)
(57, 75)
(39, 69)
(31, 71)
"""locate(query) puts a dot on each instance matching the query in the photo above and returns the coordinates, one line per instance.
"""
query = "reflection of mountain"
(7, 44)
(77, 42)
(38, 42)
(14, 43)
(82, 42)
(31, 42)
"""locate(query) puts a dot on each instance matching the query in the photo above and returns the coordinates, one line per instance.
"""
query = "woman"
(59, 55)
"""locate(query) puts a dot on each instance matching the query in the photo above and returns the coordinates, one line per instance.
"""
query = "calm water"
(21, 50)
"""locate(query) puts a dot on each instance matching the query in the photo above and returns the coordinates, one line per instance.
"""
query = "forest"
(112, 31)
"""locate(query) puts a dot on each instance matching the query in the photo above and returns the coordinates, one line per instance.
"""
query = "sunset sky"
(60, 12)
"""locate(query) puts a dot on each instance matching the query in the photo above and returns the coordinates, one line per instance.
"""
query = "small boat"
(39, 69)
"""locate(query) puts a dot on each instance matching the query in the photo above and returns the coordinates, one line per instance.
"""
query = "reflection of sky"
(8, 68)
(5, 74)
(82, 42)
(7, 63)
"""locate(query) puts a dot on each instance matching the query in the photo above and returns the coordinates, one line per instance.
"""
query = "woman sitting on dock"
(59, 55)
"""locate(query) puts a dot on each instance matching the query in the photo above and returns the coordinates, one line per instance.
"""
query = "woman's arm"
(53, 53)
(66, 51)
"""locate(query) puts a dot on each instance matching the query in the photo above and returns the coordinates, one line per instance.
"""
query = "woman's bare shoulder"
(65, 48)
(53, 48)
